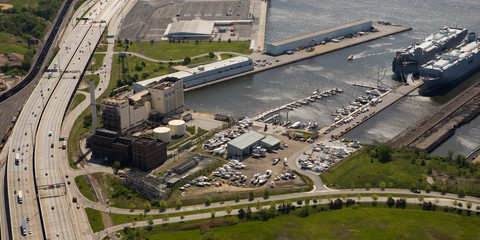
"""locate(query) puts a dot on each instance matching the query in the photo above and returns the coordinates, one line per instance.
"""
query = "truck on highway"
(23, 228)
(20, 197)
(64, 145)
(17, 159)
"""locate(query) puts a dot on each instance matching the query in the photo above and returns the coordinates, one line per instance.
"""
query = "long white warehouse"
(203, 74)
(315, 38)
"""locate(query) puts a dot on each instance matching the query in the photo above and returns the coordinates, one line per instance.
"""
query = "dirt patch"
(12, 59)
(5, 6)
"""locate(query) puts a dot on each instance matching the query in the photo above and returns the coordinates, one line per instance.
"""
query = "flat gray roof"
(313, 34)
(270, 141)
(246, 139)
(195, 27)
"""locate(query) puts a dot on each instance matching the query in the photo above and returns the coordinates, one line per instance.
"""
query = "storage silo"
(162, 133)
(177, 128)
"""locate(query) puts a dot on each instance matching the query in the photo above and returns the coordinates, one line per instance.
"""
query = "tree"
(252, 195)
(428, 189)
(390, 202)
(152, 42)
(299, 202)
(374, 198)
(469, 205)
(228, 210)
(208, 201)
(241, 213)
(248, 214)
(116, 165)
(461, 192)
(420, 199)
(197, 42)
(265, 194)
(359, 197)
(126, 41)
(222, 200)
(450, 154)
(165, 217)
(132, 207)
(258, 206)
(229, 40)
(367, 186)
(382, 186)
(454, 203)
(237, 197)
(385, 153)
(443, 190)
(178, 204)
(211, 55)
(212, 213)
(148, 206)
(162, 205)
(150, 223)
(182, 216)
(187, 61)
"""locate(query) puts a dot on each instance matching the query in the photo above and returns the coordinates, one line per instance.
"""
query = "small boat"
(339, 90)
(289, 108)
(311, 99)
(316, 92)
(303, 102)
(350, 57)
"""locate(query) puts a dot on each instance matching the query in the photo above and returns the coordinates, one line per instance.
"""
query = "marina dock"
(281, 60)
(388, 98)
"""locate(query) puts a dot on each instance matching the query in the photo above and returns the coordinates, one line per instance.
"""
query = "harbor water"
(254, 94)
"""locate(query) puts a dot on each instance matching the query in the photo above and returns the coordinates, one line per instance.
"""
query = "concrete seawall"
(433, 129)
(277, 61)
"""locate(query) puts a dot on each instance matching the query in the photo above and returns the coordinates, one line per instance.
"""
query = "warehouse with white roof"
(195, 29)
(205, 73)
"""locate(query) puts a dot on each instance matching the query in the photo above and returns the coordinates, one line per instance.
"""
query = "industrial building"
(196, 29)
(270, 142)
(162, 98)
(205, 73)
(315, 38)
(140, 152)
(243, 145)
(167, 95)
(122, 114)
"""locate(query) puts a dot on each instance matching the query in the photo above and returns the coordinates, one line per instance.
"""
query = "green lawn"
(227, 56)
(95, 219)
(96, 62)
(362, 223)
(11, 43)
(407, 169)
(121, 196)
(139, 67)
(177, 51)
(77, 99)
(357, 170)
(84, 188)
(87, 78)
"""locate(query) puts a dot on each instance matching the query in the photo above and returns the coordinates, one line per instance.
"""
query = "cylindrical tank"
(177, 128)
(162, 133)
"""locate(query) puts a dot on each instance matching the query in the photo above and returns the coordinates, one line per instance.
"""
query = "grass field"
(96, 62)
(176, 51)
(361, 223)
(11, 43)
(227, 56)
(95, 219)
(77, 99)
(84, 188)
(144, 69)
(357, 170)
(87, 78)
(407, 169)
(121, 196)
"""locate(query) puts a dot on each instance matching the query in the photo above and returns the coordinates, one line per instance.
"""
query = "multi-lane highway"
(46, 207)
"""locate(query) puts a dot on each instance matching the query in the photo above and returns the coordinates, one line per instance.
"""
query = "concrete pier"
(440, 124)
(277, 61)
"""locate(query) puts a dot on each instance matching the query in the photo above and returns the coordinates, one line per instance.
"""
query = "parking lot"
(149, 19)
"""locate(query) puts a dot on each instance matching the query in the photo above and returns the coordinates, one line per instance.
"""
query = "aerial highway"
(34, 170)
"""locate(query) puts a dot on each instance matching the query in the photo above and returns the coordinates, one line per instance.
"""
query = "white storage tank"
(177, 128)
(162, 133)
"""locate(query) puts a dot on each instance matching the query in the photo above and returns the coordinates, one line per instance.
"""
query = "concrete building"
(196, 29)
(148, 153)
(242, 146)
(167, 95)
(205, 73)
(315, 38)
(122, 114)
